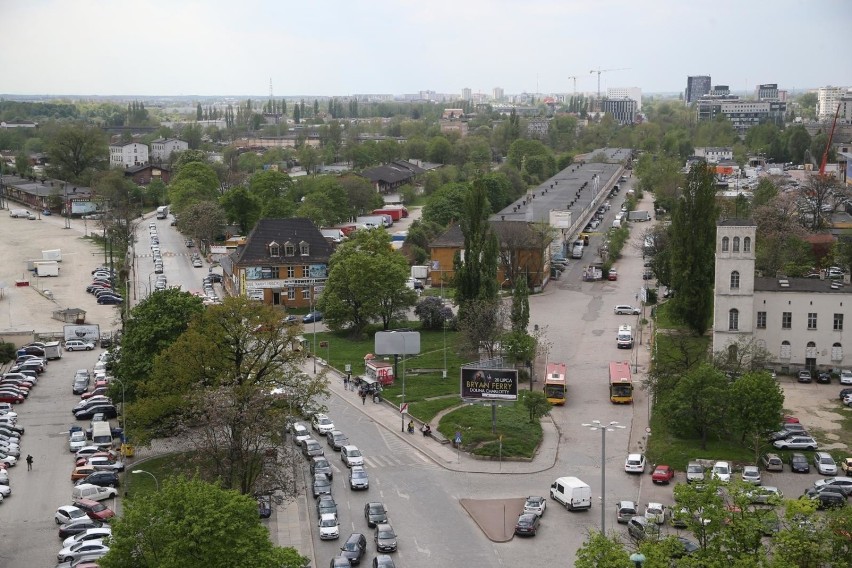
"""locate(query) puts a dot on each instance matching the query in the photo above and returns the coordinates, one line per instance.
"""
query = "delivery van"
(102, 435)
(624, 339)
(572, 492)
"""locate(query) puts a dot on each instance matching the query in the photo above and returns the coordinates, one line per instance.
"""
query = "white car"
(722, 471)
(329, 528)
(88, 534)
(635, 463)
(85, 548)
(351, 456)
(68, 513)
(300, 433)
(8, 460)
(322, 423)
(77, 345)
(846, 377)
(77, 440)
(751, 474)
(825, 464)
(655, 513)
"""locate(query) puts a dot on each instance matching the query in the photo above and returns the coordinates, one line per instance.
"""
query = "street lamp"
(149, 473)
(611, 427)
(123, 418)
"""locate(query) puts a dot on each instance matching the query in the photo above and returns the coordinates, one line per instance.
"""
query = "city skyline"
(193, 48)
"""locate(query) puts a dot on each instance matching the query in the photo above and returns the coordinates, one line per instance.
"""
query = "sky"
(346, 47)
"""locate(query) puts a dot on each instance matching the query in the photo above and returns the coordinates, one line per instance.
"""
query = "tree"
(360, 194)
(440, 150)
(520, 306)
(601, 551)
(242, 208)
(229, 384)
(798, 142)
(194, 183)
(445, 205)
(366, 281)
(154, 324)
(693, 248)
(756, 402)
(476, 272)
(76, 153)
(433, 313)
(324, 202)
(697, 403)
(121, 201)
(820, 195)
(204, 221)
(192, 523)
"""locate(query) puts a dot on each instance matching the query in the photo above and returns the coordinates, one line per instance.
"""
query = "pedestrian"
(363, 397)
(345, 382)
(29, 462)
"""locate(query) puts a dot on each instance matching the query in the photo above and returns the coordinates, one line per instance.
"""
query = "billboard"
(91, 332)
(489, 384)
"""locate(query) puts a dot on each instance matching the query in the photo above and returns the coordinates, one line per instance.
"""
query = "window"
(787, 320)
(306, 271)
(269, 272)
(304, 248)
(306, 293)
(735, 279)
(736, 244)
(836, 352)
(785, 349)
(725, 242)
(733, 319)
(838, 322)
(812, 320)
(274, 249)
(761, 320)
(810, 350)
(289, 249)
(747, 244)
(291, 272)
(291, 293)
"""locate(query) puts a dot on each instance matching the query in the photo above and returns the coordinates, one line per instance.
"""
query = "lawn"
(666, 448)
(161, 467)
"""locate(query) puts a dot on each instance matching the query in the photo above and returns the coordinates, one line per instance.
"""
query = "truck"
(53, 350)
(624, 339)
(47, 268)
(396, 214)
(162, 211)
(55, 254)
(640, 215)
(380, 371)
(374, 221)
(420, 272)
(572, 492)
(333, 235)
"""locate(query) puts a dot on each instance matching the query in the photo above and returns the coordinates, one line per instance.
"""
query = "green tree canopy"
(241, 208)
(445, 205)
(77, 152)
(196, 182)
(698, 402)
(190, 523)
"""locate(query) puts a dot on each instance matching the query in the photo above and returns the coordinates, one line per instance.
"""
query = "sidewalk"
(387, 415)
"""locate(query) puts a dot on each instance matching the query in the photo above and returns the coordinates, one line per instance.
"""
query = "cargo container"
(396, 214)
(47, 268)
(55, 254)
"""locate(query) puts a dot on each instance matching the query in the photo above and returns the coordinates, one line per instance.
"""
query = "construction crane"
(599, 71)
(575, 83)
(828, 144)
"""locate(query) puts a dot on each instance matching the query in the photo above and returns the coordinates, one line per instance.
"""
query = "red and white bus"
(620, 383)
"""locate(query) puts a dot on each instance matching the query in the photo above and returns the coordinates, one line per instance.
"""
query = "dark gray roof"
(141, 167)
(736, 223)
(294, 230)
(452, 237)
(508, 232)
(393, 172)
(800, 285)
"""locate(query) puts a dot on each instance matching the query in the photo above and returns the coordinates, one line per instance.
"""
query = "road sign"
(458, 438)
(403, 408)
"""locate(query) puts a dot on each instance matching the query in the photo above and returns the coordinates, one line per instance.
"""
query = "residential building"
(162, 148)
(696, 87)
(714, 155)
(126, 155)
(466, 94)
(391, 176)
(538, 127)
(633, 93)
(743, 114)
(146, 173)
(622, 110)
(284, 262)
(827, 100)
(845, 115)
(497, 94)
(799, 322)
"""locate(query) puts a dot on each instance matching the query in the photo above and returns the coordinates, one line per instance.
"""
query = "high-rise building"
(622, 110)
(827, 100)
(467, 94)
(768, 92)
(497, 94)
(696, 87)
(633, 93)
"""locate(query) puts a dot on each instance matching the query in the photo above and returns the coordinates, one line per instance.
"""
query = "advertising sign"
(489, 384)
(84, 332)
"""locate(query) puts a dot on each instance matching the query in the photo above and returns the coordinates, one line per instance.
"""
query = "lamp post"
(314, 319)
(156, 481)
(611, 427)
(123, 419)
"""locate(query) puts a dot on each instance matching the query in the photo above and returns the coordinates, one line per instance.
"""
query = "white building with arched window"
(800, 321)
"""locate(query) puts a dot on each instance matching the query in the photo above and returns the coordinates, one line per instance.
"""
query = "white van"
(572, 492)
(102, 435)
(93, 492)
(624, 339)
(19, 213)
(577, 252)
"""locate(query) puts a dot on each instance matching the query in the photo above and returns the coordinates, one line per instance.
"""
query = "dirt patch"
(815, 407)
(495, 517)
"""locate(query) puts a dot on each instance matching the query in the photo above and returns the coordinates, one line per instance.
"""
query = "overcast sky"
(343, 47)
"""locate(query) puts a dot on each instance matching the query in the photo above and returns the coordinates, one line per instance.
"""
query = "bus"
(620, 383)
(554, 383)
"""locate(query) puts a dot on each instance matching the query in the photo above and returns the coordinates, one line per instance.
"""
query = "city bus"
(554, 383)
(620, 383)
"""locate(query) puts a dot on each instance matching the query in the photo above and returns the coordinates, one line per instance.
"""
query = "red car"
(96, 392)
(11, 397)
(662, 474)
(94, 509)
(613, 275)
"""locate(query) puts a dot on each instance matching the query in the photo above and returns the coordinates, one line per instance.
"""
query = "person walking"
(363, 397)
(345, 382)
(29, 462)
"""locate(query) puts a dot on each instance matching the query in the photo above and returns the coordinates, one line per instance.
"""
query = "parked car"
(77, 526)
(796, 443)
(825, 464)
(336, 439)
(329, 527)
(625, 510)
(375, 512)
(78, 345)
(722, 471)
(351, 456)
(635, 463)
(751, 474)
(639, 529)
(655, 513)
(826, 499)
(527, 524)
(846, 377)
(321, 485)
(322, 423)
(312, 448)
(96, 510)
(319, 464)
(312, 317)
(824, 377)
(101, 479)
(358, 478)
(839, 484)
(663, 474)
(799, 463)
(68, 513)
(80, 549)
(326, 504)
(804, 376)
(385, 537)
(764, 495)
(846, 466)
(535, 505)
(354, 548)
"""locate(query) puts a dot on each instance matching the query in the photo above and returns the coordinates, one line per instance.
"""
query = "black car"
(385, 538)
(109, 411)
(826, 499)
(32, 350)
(77, 526)
(101, 479)
(527, 524)
(320, 465)
(383, 561)
(264, 506)
(326, 505)
(321, 485)
(375, 513)
(354, 548)
(844, 392)
(824, 378)
(336, 439)
(16, 431)
(799, 463)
